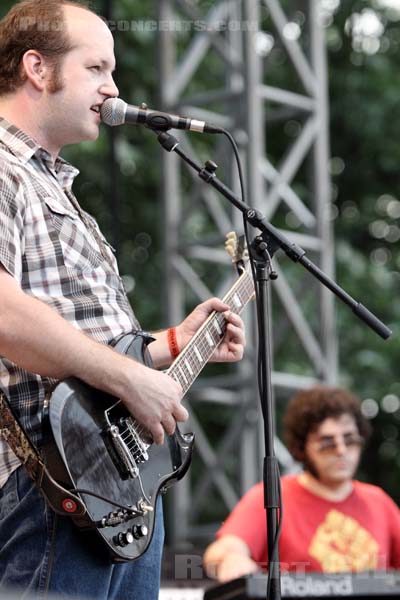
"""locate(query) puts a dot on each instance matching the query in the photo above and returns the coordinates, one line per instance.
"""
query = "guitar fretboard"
(187, 366)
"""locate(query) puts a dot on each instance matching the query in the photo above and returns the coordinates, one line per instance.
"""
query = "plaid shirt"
(57, 254)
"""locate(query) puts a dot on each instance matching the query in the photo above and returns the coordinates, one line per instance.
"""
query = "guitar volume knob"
(124, 538)
(139, 531)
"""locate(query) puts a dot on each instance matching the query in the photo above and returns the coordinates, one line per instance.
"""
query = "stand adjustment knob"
(211, 166)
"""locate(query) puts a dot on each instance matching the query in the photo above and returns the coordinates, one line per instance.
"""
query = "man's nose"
(340, 445)
(110, 89)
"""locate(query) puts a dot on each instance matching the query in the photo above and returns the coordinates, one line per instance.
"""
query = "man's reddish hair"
(32, 25)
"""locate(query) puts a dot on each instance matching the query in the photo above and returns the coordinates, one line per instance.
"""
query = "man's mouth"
(341, 464)
(96, 108)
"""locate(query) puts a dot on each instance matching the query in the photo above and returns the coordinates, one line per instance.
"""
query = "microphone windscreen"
(113, 111)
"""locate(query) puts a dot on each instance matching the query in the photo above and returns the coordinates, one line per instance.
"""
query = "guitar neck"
(190, 362)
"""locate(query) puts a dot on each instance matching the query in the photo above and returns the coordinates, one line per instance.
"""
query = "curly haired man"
(331, 522)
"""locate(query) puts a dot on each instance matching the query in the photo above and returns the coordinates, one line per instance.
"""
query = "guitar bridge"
(123, 452)
(123, 439)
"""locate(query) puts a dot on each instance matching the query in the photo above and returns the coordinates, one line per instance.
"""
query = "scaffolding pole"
(214, 63)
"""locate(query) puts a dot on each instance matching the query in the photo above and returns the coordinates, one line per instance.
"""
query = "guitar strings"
(243, 290)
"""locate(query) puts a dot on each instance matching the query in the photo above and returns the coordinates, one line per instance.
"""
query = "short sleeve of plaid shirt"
(58, 255)
(11, 222)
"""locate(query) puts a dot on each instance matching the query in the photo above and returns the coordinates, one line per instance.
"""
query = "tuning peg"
(231, 244)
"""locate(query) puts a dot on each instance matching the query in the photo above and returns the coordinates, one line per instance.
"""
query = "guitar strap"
(60, 500)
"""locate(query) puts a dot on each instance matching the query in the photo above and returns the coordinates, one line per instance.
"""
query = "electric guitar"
(99, 452)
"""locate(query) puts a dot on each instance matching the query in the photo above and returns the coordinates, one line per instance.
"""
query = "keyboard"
(367, 586)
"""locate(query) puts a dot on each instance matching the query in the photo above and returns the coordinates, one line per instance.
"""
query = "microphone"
(115, 111)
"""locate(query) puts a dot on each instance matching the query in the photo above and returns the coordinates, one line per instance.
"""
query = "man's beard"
(55, 83)
(309, 467)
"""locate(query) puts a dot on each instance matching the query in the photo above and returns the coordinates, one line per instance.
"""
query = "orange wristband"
(172, 342)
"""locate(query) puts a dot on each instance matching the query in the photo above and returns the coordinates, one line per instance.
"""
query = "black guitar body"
(100, 454)
(96, 445)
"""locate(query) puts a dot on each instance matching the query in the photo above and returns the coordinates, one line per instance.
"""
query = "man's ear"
(35, 68)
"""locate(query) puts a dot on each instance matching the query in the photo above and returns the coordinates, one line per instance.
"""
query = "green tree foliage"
(365, 130)
(363, 59)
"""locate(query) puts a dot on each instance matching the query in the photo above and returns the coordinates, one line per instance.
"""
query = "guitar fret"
(191, 361)
(237, 301)
(180, 367)
(188, 366)
(197, 352)
(209, 339)
(206, 348)
(214, 335)
(182, 372)
(217, 327)
(215, 339)
(176, 377)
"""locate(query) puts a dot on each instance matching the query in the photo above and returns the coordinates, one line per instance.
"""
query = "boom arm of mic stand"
(272, 235)
(261, 257)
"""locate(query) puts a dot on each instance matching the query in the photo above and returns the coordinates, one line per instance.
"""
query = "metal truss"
(257, 69)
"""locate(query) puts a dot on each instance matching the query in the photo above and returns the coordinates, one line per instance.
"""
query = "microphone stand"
(262, 249)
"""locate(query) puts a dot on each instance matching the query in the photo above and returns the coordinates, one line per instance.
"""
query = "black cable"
(259, 358)
(278, 534)
(246, 231)
(135, 513)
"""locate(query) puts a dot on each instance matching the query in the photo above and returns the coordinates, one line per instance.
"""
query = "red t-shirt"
(359, 533)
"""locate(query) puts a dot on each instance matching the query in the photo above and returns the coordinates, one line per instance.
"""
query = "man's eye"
(96, 67)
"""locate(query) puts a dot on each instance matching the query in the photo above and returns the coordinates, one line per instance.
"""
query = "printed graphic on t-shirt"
(340, 544)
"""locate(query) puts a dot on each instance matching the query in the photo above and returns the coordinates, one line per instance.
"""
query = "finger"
(169, 424)
(216, 304)
(230, 353)
(235, 334)
(233, 318)
(236, 351)
(158, 433)
(180, 413)
(178, 386)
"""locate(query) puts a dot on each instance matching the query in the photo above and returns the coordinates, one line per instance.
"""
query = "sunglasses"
(330, 443)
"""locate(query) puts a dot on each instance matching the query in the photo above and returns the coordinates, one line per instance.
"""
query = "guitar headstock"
(237, 250)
